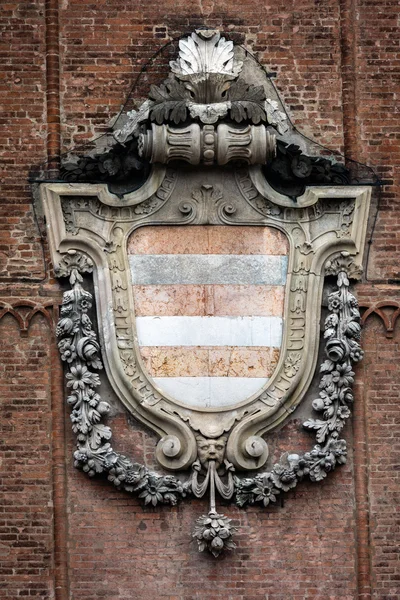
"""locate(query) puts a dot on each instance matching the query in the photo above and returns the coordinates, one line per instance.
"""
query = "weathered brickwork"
(26, 521)
(63, 536)
(23, 138)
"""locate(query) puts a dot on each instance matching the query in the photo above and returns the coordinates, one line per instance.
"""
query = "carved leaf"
(169, 111)
(243, 110)
(159, 93)
(317, 473)
(98, 433)
(247, 102)
(240, 90)
(170, 102)
(327, 366)
(169, 90)
(329, 332)
(322, 428)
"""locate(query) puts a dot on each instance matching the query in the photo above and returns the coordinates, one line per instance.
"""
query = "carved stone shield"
(208, 278)
(208, 304)
(208, 284)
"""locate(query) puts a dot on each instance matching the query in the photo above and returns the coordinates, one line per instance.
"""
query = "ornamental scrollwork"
(206, 87)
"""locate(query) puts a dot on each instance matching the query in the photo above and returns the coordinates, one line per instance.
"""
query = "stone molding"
(30, 308)
(387, 310)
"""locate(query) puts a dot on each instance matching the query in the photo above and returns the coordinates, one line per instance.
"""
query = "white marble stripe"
(210, 392)
(150, 269)
(209, 331)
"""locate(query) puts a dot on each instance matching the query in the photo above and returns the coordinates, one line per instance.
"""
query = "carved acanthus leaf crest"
(343, 262)
(205, 51)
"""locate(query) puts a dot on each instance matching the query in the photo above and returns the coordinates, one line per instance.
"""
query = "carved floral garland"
(80, 351)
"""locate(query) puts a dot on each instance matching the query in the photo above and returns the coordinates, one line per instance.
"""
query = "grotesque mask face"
(209, 449)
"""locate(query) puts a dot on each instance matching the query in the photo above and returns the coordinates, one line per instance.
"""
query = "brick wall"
(63, 536)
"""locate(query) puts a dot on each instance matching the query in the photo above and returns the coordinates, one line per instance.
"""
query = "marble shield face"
(209, 309)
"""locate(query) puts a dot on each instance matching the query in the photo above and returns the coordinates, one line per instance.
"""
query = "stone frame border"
(324, 221)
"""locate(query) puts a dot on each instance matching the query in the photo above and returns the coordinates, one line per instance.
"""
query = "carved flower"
(264, 490)
(84, 304)
(79, 377)
(343, 412)
(136, 478)
(346, 395)
(129, 361)
(88, 350)
(283, 478)
(154, 490)
(116, 475)
(292, 364)
(79, 421)
(301, 166)
(339, 449)
(91, 397)
(336, 350)
(334, 302)
(299, 465)
(67, 350)
(75, 416)
(343, 376)
(214, 533)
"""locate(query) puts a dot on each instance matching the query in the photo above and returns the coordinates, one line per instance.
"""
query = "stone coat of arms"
(208, 283)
